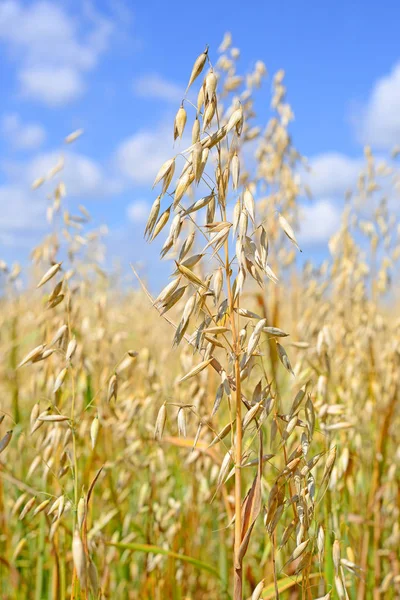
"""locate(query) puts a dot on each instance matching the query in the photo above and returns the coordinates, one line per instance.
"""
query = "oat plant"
(220, 247)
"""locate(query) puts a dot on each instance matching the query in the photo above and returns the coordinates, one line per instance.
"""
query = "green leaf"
(157, 550)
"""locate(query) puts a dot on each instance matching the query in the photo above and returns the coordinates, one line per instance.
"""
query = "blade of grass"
(150, 549)
(283, 585)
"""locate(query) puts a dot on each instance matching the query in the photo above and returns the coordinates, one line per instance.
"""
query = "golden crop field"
(234, 435)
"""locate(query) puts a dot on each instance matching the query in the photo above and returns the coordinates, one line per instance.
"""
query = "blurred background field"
(160, 493)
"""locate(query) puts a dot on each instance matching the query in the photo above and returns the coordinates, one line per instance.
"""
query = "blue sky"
(117, 69)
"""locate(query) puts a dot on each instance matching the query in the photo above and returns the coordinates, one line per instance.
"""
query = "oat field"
(234, 434)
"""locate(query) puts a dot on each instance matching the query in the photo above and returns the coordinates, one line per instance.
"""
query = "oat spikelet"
(196, 131)
(167, 292)
(42, 506)
(182, 422)
(190, 275)
(183, 184)
(224, 470)
(209, 114)
(210, 86)
(112, 388)
(56, 291)
(165, 172)
(196, 160)
(59, 380)
(94, 431)
(288, 230)
(180, 122)
(235, 168)
(235, 120)
(256, 595)
(162, 221)
(70, 349)
(19, 547)
(38, 423)
(73, 136)
(35, 412)
(56, 301)
(55, 505)
(284, 358)
(61, 506)
(59, 335)
(196, 370)
(226, 42)
(56, 169)
(53, 418)
(32, 355)
(81, 511)
(28, 506)
(336, 555)
(160, 422)
(38, 182)
(321, 543)
(248, 201)
(298, 551)
(197, 67)
(79, 557)
(175, 297)
(5, 440)
(49, 274)
(155, 209)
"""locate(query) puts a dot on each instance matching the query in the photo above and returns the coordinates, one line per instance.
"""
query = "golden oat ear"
(197, 67)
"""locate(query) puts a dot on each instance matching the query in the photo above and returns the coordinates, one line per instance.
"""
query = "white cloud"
(138, 211)
(83, 176)
(318, 222)
(51, 85)
(49, 48)
(22, 136)
(140, 156)
(24, 216)
(332, 174)
(155, 86)
(380, 121)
